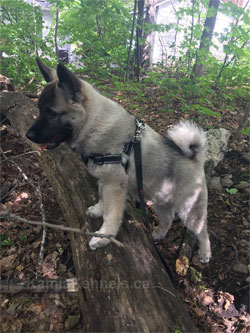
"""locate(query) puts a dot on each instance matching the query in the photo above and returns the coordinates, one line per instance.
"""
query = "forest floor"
(216, 294)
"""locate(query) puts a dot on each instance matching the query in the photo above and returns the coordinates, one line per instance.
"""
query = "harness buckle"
(140, 126)
(98, 159)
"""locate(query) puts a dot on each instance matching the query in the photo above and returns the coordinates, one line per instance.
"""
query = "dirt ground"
(217, 294)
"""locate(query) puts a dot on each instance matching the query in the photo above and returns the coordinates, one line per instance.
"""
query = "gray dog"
(72, 111)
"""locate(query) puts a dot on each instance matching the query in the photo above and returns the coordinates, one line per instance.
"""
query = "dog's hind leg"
(195, 219)
(114, 198)
(96, 211)
(166, 215)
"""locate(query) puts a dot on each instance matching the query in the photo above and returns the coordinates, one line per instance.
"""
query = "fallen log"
(122, 289)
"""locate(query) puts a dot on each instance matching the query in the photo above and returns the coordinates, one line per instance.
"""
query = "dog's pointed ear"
(68, 82)
(48, 73)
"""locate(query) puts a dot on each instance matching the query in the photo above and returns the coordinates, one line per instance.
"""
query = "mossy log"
(123, 289)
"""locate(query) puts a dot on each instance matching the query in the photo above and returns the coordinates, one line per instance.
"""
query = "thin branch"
(167, 291)
(42, 248)
(16, 156)
(39, 194)
(10, 216)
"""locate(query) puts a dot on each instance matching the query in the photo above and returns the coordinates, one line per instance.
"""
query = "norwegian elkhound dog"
(72, 111)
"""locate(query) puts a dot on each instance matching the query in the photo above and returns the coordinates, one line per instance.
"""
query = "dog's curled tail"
(191, 140)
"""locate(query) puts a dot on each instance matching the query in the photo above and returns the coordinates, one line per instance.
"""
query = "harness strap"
(99, 159)
(102, 159)
(138, 170)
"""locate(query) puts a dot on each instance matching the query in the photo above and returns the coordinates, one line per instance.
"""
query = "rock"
(217, 140)
(240, 268)
(227, 181)
(248, 267)
(215, 184)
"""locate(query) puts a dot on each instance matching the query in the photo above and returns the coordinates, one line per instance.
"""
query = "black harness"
(99, 159)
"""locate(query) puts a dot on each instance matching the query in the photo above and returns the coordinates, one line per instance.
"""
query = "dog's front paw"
(204, 257)
(94, 212)
(97, 242)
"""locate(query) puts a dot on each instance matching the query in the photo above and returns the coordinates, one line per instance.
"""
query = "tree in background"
(103, 37)
(149, 27)
(131, 40)
(99, 31)
(21, 36)
(206, 37)
(139, 41)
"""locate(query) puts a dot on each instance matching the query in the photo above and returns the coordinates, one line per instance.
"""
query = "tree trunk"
(131, 40)
(122, 289)
(148, 36)
(139, 40)
(206, 38)
(56, 28)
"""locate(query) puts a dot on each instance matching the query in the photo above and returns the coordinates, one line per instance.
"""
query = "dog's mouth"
(53, 143)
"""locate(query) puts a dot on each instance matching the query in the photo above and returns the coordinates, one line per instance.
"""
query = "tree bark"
(56, 28)
(148, 36)
(121, 289)
(131, 40)
(139, 40)
(206, 38)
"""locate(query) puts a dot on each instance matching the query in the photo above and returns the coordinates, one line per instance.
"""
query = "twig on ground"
(10, 216)
(167, 291)
(6, 159)
(39, 195)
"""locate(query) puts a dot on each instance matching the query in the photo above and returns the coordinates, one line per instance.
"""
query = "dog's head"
(61, 107)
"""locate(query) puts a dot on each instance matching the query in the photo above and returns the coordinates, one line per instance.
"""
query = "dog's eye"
(51, 113)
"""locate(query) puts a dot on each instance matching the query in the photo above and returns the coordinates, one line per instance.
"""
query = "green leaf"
(245, 131)
(232, 191)
(205, 110)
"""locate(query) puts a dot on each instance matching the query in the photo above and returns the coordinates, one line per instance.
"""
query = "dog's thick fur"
(71, 110)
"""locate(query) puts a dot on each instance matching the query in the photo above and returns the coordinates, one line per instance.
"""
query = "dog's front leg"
(114, 199)
(96, 211)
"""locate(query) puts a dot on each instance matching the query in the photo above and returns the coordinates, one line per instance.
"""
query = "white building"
(165, 14)
(65, 51)
(161, 41)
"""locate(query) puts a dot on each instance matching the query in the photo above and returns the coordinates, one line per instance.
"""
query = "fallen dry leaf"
(227, 304)
(6, 263)
(182, 265)
(206, 300)
(36, 308)
(199, 312)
